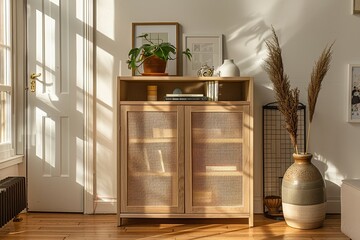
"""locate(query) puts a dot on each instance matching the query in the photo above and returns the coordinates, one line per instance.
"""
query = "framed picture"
(356, 6)
(354, 93)
(205, 49)
(158, 32)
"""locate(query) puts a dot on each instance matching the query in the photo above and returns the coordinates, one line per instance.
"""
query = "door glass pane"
(5, 66)
(217, 158)
(5, 22)
(152, 159)
(5, 117)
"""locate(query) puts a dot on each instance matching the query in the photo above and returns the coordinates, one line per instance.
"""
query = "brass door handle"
(33, 77)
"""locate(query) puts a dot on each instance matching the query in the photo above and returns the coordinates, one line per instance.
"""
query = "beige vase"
(303, 194)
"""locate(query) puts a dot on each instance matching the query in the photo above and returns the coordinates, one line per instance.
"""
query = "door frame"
(89, 107)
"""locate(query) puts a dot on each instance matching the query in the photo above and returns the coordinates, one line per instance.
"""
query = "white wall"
(304, 28)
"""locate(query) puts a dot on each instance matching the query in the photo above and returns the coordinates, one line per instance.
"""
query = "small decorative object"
(273, 204)
(155, 44)
(354, 93)
(177, 91)
(205, 71)
(229, 69)
(152, 93)
(303, 187)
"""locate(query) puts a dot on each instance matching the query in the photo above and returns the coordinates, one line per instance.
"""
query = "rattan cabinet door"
(152, 159)
(217, 163)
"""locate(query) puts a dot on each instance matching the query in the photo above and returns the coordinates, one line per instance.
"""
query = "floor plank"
(90, 227)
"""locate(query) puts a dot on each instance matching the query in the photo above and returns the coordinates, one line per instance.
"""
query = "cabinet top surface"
(182, 78)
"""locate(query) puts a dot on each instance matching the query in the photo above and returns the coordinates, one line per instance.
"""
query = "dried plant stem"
(288, 99)
(319, 71)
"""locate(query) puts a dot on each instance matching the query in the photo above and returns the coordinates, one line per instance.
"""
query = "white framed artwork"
(354, 93)
(205, 49)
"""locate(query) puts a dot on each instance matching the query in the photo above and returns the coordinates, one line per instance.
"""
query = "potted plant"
(303, 187)
(153, 56)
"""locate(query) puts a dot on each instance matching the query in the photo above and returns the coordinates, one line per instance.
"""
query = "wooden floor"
(77, 226)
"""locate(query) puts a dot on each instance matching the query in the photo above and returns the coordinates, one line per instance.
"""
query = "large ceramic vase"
(303, 194)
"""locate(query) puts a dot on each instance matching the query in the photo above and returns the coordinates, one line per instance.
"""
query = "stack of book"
(185, 97)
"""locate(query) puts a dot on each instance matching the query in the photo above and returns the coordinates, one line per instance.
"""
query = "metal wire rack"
(278, 150)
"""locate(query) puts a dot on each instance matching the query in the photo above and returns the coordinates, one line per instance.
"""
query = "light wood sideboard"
(185, 159)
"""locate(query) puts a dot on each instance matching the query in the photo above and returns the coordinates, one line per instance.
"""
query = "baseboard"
(105, 206)
(333, 205)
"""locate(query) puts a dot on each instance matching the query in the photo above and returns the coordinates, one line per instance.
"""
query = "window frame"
(7, 146)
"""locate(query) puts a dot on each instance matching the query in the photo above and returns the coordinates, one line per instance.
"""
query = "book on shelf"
(203, 98)
(184, 95)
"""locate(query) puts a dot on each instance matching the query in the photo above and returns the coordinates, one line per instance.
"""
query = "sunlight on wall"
(104, 125)
(105, 187)
(106, 18)
(105, 116)
(105, 73)
(248, 39)
(330, 171)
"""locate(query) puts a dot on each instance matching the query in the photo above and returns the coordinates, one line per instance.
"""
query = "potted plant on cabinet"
(303, 187)
(153, 56)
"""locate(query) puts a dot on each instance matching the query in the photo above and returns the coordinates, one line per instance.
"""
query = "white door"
(55, 108)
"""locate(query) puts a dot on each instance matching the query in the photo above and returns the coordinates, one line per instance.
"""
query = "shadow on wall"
(332, 178)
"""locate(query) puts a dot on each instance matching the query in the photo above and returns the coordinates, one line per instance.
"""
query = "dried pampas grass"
(319, 71)
(287, 98)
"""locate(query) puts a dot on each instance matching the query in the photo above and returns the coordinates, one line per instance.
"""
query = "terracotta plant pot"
(303, 194)
(154, 65)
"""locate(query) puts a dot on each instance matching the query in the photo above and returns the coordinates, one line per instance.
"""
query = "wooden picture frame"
(354, 93)
(356, 6)
(165, 31)
(205, 49)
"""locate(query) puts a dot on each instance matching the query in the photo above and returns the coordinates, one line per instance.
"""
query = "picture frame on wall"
(157, 32)
(354, 93)
(356, 6)
(205, 49)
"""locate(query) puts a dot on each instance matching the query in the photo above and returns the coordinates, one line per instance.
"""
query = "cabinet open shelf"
(230, 88)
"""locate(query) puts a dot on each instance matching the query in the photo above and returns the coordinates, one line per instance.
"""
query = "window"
(5, 76)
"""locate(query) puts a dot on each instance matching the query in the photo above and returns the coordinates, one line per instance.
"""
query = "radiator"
(12, 198)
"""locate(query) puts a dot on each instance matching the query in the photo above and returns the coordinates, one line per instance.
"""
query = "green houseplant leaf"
(163, 50)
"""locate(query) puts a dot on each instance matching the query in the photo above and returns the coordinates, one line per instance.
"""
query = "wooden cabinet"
(185, 159)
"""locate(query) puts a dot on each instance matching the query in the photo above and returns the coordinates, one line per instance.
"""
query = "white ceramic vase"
(229, 69)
